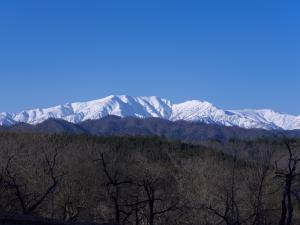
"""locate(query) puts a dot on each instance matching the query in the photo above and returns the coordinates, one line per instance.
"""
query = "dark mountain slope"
(180, 130)
(49, 126)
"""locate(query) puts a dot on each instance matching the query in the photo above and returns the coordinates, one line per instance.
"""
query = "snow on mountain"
(142, 107)
(274, 120)
(6, 119)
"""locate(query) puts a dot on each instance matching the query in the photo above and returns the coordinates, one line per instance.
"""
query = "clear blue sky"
(235, 54)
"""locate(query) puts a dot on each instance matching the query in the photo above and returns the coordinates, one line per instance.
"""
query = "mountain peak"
(153, 106)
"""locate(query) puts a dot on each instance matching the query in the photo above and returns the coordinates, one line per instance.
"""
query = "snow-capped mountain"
(143, 107)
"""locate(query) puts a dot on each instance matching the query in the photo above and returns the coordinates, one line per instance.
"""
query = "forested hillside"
(191, 132)
(149, 180)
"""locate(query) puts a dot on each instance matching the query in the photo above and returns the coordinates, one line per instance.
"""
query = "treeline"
(149, 180)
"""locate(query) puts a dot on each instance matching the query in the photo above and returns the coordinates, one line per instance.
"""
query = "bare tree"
(260, 186)
(158, 198)
(72, 200)
(28, 200)
(114, 186)
(289, 175)
(230, 213)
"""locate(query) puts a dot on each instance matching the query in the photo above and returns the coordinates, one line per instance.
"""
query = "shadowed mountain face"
(179, 130)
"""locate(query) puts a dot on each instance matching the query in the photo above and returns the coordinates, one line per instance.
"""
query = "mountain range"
(155, 107)
(186, 131)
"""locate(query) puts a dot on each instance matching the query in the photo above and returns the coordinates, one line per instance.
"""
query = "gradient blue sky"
(235, 54)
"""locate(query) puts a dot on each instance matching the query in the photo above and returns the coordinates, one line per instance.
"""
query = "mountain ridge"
(152, 106)
(186, 131)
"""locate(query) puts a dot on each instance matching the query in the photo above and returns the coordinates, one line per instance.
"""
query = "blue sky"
(235, 54)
